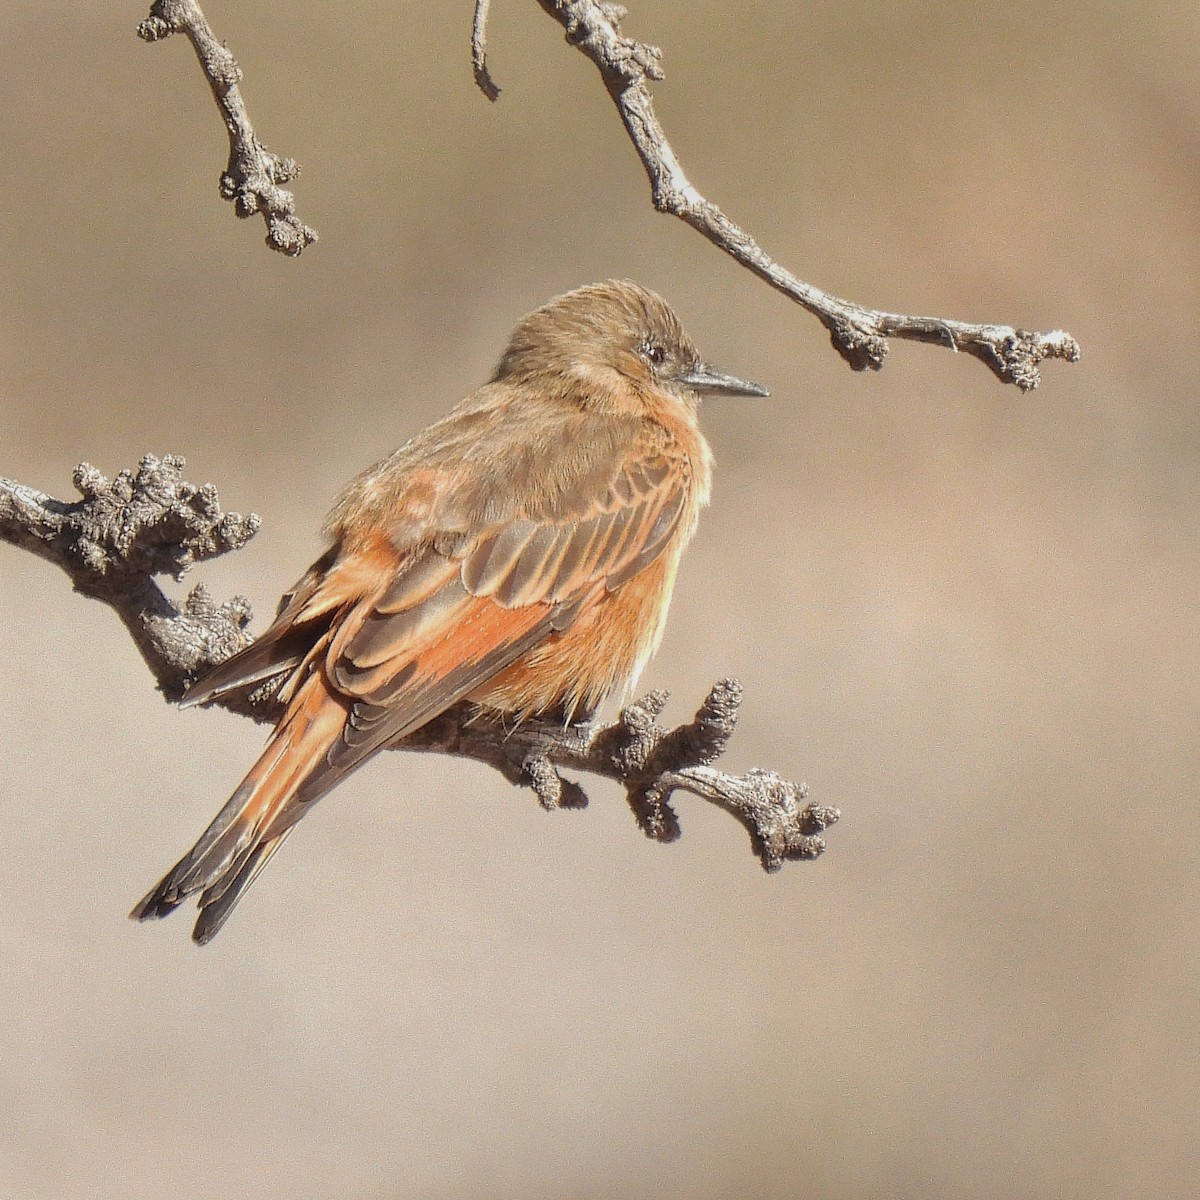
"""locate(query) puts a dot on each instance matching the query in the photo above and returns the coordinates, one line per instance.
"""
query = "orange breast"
(602, 652)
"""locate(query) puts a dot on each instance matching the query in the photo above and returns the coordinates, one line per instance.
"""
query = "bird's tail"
(257, 817)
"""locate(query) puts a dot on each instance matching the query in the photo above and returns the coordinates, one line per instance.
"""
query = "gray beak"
(707, 382)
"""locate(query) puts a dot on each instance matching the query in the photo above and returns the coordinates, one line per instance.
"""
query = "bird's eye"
(654, 354)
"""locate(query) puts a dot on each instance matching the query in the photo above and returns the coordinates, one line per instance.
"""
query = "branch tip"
(1019, 353)
(253, 174)
(551, 789)
(483, 79)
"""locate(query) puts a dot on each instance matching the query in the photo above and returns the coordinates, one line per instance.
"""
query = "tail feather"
(219, 900)
(222, 847)
(204, 861)
(257, 817)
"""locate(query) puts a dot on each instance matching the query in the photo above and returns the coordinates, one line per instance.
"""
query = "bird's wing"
(448, 622)
(402, 636)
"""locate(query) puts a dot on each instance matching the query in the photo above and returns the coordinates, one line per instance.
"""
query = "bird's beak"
(707, 382)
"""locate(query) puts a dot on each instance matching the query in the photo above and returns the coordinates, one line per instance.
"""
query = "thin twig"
(859, 334)
(487, 85)
(252, 178)
(123, 532)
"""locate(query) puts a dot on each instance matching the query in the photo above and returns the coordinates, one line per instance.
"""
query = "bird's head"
(596, 341)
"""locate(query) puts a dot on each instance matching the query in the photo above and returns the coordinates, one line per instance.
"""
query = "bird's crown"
(618, 325)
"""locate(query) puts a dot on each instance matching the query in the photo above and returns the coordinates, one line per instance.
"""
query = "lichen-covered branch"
(651, 763)
(123, 532)
(253, 177)
(859, 334)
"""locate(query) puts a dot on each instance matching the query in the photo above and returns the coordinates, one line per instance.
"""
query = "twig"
(858, 334)
(252, 178)
(151, 522)
(487, 85)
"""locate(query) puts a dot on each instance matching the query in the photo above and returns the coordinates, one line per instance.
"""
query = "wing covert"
(548, 561)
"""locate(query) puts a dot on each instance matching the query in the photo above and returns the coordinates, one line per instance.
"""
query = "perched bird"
(518, 554)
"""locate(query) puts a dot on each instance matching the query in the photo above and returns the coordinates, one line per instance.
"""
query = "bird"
(518, 554)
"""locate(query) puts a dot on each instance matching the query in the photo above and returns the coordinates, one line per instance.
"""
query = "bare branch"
(487, 85)
(651, 763)
(858, 334)
(123, 532)
(252, 178)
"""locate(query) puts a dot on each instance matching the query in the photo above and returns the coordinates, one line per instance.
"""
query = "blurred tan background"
(967, 617)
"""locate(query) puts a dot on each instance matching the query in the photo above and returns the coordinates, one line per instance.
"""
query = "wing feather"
(384, 638)
(625, 529)
(486, 641)
(524, 581)
(485, 568)
(666, 521)
(419, 579)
